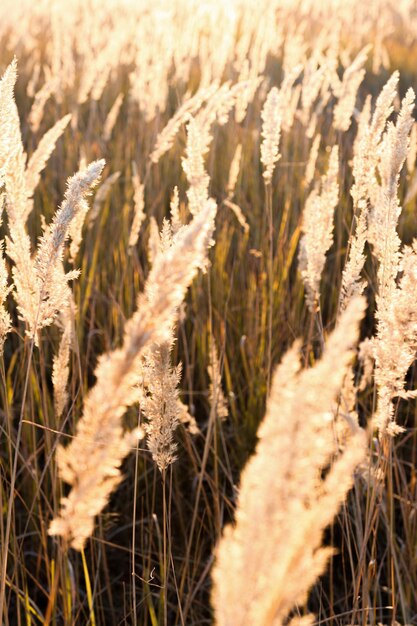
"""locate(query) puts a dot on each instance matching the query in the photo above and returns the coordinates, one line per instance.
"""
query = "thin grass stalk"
(164, 548)
(10, 504)
(88, 589)
(268, 196)
(135, 494)
(202, 469)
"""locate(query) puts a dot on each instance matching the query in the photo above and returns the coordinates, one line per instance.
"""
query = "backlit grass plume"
(157, 377)
(41, 283)
(7, 105)
(271, 132)
(346, 90)
(90, 464)
(367, 146)
(139, 206)
(317, 230)
(161, 404)
(395, 340)
(290, 489)
(395, 345)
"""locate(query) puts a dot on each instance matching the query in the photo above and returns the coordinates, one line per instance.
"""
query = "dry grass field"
(208, 315)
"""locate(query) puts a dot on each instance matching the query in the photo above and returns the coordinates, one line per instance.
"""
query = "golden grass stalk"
(346, 90)
(269, 559)
(101, 195)
(79, 187)
(237, 211)
(22, 179)
(7, 83)
(220, 103)
(112, 116)
(174, 206)
(367, 146)
(15, 174)
(161, 404)
(289, 96)
(7, 145)
(38, 107)
(90, 464)
(386, 210)
(312, 86)
(396, 286)
(271, 131)
(5, 320)
(412, 151)
(317, 230)
(312, 160)
(60, 366)
(31, 88)
(352, 284)
(198, 139)
(139, 207)
(158, 396)
(395, 344)
(41, 284)
(75, 231)
(159, 386)
(166, 137)
(154, 241)
(216, 396)
(43, 151)
(246, 95)
(234, 170)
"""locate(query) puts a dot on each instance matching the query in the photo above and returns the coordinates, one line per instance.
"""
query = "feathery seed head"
(271, 131)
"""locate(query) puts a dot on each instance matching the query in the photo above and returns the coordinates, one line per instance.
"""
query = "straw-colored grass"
(186, 189)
